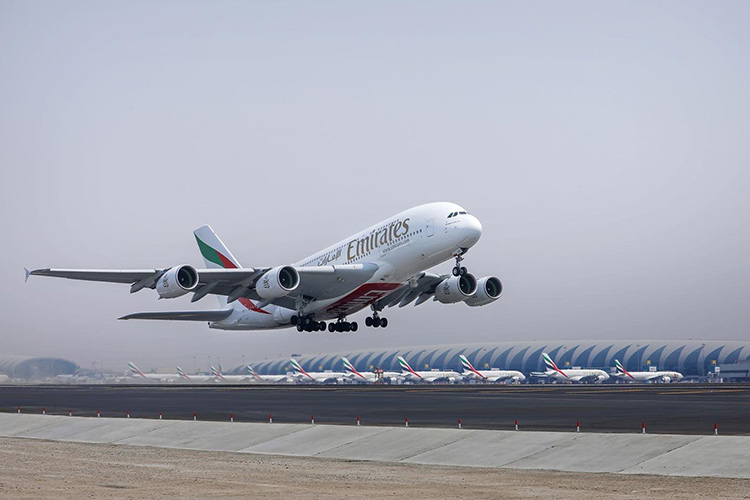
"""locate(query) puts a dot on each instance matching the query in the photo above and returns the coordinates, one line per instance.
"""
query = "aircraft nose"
(471, 229)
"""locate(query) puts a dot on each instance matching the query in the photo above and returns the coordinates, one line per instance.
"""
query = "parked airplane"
(493, 375)
(382, 266)
(319, 377)
(232, 379)
(197, 379)
(369, 377)
(571, 375)
(267, 379)
(655, 376)
(153, 377)
(427, 376)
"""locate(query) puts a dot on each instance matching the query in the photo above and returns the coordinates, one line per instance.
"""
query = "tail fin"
(468, 366)
(405, 367)
(217, 373)
(135, 369)
(215, 253)
(621, 370)
(182, 374)
(298, 368)
(252, 372)
(551, 364)
(465, 363)
(348, 366)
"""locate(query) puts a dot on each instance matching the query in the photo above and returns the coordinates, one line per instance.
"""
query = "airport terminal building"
(35, 367)
(693, 358)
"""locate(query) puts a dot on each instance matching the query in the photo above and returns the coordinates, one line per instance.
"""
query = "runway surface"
(669, 409)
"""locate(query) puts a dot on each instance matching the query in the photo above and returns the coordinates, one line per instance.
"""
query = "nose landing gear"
(458, 269)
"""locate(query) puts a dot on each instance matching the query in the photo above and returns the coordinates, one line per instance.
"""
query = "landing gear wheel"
(456, 271)
(383, 322)
(299, 327)
(331, 327)
(463, 271)
(368, 321)
(322, 325)
(293, 319)
(376, 322)
(354, 326)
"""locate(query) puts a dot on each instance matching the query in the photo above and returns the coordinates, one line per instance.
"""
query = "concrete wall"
(720, 456)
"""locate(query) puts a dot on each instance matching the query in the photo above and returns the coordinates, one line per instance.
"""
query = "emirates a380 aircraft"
(382, 266)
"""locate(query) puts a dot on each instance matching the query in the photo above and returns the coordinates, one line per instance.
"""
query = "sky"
(603, 145)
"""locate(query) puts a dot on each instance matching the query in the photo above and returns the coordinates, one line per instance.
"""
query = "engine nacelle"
(666, 379)
(177, 282)
(277, 282)
(456, 288)
(489, 289)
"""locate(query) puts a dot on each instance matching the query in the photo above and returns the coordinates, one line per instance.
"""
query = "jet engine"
(489, 290)
(177, 282)
(666, 379)
(277, 282)
(456, 288)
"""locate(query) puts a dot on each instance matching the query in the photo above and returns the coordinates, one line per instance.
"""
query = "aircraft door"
(429, 227)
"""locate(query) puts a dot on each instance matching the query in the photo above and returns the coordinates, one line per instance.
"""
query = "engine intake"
(456, 288)
(177, 282)
(278, 282)
(489, 289)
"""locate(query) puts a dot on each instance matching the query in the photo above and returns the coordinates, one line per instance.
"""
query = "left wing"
(318, 282)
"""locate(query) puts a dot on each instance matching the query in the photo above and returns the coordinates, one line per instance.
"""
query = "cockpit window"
(463, 213)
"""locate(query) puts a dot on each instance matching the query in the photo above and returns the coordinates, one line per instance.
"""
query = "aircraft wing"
(213, 315)
(316, 282)
(421, 290)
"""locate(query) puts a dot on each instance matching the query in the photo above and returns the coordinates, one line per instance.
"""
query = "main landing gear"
(343, 326)
(376, 321)
(458, 269)
(308, 324)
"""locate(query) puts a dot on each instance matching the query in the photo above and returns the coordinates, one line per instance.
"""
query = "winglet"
(28, 273)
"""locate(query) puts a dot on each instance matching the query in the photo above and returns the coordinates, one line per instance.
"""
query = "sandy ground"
(45, 469)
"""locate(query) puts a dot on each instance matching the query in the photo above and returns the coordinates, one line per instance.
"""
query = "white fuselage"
(651, 376)
(432, 376)
(372, 377)
(320, 377)
(577, 375)
(401, 246)
(495, 375)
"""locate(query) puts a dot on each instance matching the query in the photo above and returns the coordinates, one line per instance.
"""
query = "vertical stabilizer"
(215, 253)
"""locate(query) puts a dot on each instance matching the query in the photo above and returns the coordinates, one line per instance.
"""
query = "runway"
(668, 409)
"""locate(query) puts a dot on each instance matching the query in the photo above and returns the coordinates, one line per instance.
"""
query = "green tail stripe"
(209, 253)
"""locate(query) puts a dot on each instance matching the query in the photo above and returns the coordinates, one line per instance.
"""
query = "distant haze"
(603, 145)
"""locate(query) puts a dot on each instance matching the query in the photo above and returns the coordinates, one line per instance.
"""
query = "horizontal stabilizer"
(215, 315)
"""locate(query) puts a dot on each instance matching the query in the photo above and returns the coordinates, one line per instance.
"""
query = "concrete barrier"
(720, 456)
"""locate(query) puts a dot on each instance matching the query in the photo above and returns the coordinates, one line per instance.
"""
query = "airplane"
(198, 379)
(153, 377)
(267, 379)
(318, 377)
(369, 377)
(655, 376)
(571, 375)
(382, 266)
(493, 375)
(67, 379)
(235, 379)
(427, 376)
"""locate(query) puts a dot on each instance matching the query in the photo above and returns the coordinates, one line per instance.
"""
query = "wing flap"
(214, 315)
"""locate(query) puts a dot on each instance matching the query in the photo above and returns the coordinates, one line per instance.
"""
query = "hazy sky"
(605, 146)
